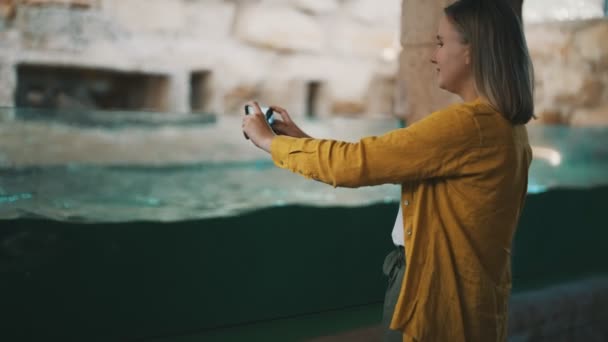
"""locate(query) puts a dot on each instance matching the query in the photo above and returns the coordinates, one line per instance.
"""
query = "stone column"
(418, 94)
(7, 48)
(178, 96)
(8, 84)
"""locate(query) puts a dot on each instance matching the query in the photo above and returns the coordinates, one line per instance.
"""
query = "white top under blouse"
(397, 233)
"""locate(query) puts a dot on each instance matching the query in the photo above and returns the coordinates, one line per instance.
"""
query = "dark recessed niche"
(200, 91)
(313, 93)
(59, 87)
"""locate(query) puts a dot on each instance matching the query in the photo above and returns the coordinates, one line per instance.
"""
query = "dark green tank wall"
(280, 274)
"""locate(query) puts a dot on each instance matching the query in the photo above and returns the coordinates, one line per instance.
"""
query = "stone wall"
(571, 69)
(321, 57)
(570, 59)
(333, 57)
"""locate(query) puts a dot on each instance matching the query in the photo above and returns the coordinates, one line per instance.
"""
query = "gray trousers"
(393, 268)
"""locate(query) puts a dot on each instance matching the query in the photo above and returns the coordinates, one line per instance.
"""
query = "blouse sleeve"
(436, 146)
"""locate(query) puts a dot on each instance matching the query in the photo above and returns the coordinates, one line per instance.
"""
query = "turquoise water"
(568, 157)
(167, 193)
(44, 171)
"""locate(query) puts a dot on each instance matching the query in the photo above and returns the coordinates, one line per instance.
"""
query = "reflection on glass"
(548, 154)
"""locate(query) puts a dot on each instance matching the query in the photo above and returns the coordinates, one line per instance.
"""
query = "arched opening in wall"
(313, 95)
(382, 96)
(59, 87)
(200, 92)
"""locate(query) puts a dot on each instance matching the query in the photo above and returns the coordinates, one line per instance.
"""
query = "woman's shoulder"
(454, 120)
(475, 114)
(463, 113)
(475, 107)
(478, 115)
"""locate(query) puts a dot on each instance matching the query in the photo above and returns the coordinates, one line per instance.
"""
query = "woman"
(463, 172)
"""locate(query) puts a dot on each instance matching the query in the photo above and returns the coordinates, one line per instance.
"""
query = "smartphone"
(268, 112)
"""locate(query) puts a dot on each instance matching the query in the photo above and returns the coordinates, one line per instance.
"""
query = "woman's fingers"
(255, 122)
(282, 112)
(255, 106)
(282, 126)
(279, 127)
(257, 111)
(243, 128)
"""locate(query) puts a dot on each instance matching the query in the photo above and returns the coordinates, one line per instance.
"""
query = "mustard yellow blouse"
(464, 174)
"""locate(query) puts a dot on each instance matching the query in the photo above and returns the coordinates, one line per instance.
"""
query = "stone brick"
(7, 9)
(7, 85)
(420, 20)
(591, 43)
(341, 81)
(75, 3)
(348, 107)
(350, 38)
(211, 20)
(282, 29)
(552, 117)
(381, 96)
(57, 28)
(587, 92)
(569, 68)
(345, 84)
(590, 117)
(235, 98)
(316, 7)
(375, 13)
(550, 41)
(347, 88)
(143, 16)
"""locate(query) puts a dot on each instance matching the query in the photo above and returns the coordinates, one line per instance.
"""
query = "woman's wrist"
(266, 143)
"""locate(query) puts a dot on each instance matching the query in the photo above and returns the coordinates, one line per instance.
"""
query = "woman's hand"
(286, 126)
(255, 128)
